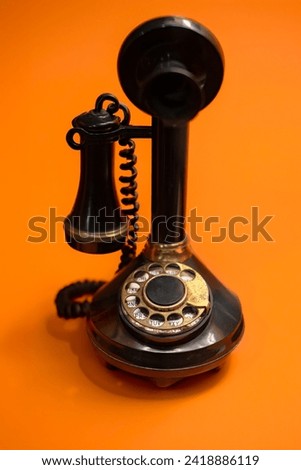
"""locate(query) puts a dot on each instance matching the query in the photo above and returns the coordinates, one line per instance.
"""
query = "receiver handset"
(164, 316)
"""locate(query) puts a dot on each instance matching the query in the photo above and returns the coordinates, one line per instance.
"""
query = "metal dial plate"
(169, 319)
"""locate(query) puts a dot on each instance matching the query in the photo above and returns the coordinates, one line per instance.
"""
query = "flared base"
(165, 362)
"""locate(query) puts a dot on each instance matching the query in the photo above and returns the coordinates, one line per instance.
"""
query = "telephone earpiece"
(164, 316)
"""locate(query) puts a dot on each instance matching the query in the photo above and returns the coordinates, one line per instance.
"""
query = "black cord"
(66, 304)
(129, 201)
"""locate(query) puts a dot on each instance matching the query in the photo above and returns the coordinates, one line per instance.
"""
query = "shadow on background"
(117, 381)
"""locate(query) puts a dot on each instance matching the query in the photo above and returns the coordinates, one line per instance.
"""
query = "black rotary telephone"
(164, 316)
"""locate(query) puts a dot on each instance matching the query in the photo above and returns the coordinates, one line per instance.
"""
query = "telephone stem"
(169, 163)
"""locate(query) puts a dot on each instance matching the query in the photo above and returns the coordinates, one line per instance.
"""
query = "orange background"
(56, 58)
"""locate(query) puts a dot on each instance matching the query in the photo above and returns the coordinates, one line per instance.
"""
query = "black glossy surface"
(96, 211)
(171, 67)
(165, 290)
(169, 174)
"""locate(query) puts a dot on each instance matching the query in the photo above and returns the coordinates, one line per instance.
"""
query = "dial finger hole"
(172, 269)
(190, 312)
(141, 313)
(187, 275)
(156, 320)
(132, 288)
(132, 301)
(155, 269)
(141, 276)
(175, 319)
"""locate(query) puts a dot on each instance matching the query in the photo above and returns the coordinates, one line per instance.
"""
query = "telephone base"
(167, 378)
(164, 355)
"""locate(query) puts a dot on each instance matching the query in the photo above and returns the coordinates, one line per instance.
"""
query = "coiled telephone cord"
(129, 191)
(66, 304)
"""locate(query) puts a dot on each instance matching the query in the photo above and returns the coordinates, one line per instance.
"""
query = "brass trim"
(177, 252)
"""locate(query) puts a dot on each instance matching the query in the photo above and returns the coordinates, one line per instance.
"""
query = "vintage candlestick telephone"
(164, 316)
